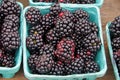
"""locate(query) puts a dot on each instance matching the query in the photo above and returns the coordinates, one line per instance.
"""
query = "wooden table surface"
(109, 10)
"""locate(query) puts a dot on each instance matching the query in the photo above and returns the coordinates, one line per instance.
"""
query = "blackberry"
(88, 1)
(92, 42)
(32, 63)
(115, 27)
(80, 14)
(116, 44)
(44, 63)
(8, 61)
(65, 50)
(10, 41)
(86, 55)
(64, 27)
(47, 22)
(38, 29)
(13, 18)
(33, 15)
(94, 27)
(57, 69)
(116, 56)
(52, 37)
(34, 42)
(75, 67)
(1, 56)
(91, 67)
(47, 49)
(9, 7)
(9, 27)
(55, 9)
(82, 27)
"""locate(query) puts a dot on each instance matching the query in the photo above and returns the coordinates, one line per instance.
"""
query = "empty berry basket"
(111, 52)
(101, 59)
(10, 72)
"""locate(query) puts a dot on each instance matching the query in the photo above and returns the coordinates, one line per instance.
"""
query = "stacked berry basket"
(61, 43)
(97, 3)
(10, 34)
(113, 37)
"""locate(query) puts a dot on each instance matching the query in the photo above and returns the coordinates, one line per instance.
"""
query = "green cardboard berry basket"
(101, 59)
(111, 52)
(10, 72)
(98, 3)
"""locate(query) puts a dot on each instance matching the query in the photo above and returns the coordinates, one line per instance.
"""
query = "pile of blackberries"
(68, 1)
(9, 32)
(115, 40)
(61, 42)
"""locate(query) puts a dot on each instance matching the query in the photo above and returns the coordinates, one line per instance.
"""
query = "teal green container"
(111, 52)
(101, 59)
(10, 72)
(98, 3)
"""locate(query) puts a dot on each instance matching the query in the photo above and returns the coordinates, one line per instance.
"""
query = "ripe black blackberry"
(9, 7)
(33, 15)
(1, 56)
(44, 63)
(94, 27)
(46, 49)
(52, 37)
(85, 1)
(92, 42)
(57, 69)
(47, 22)
(80, 14)
(82, 27)
(64, 27)
(34, 42)
(10, 40)
(86, 55)
(38, 29)
(65, 50)
(55, 9)
(32, 63)
(9, 27)
(116, 56)
(115, 44)
(115, 27)
(13, 19)
(75, 67)
(91, 67)
(8, 60)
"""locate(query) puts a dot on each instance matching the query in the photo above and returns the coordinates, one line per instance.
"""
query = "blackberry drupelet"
(8, 61)
(92, 43)
(47, 49)
(38, 29)
(75, 67)
(55, 9)
(10, 40)
(47, 22)
(65, 50)
(44, 63)
(82, 27)
(64, 27)
(116, 44)
(115, 27)
(32, 63)
(9, 7)
(52, 37)
(34, 42)
(57, 69)
(80, 14)
(91, 67)
(86, 55)
(33, 16)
